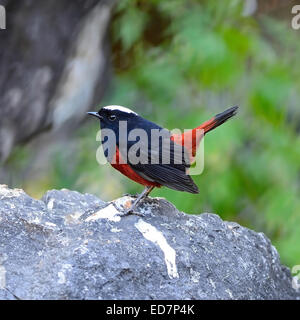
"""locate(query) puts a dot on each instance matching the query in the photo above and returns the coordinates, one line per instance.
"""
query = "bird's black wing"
(167, 175)
(147, 149)
(172, 173)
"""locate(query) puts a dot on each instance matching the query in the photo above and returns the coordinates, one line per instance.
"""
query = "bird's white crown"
(120, 108)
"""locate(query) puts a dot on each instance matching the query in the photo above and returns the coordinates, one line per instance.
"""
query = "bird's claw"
(129, 211)
(130, 195)
(126, 195)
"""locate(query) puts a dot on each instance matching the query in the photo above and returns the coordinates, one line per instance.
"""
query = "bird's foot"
(130, 195)
(126, 195)
(126, 208)
(129, 212)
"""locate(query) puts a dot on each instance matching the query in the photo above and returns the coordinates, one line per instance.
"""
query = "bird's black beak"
(95, 114)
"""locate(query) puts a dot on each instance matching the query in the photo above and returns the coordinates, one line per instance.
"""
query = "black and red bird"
(151, 174)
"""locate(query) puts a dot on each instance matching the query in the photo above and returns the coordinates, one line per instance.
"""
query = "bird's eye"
(112, 117)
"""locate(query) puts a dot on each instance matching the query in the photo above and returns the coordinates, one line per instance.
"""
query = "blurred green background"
(178, 63)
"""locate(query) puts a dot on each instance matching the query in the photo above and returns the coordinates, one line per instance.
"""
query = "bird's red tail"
(191, 139)
(218, 120)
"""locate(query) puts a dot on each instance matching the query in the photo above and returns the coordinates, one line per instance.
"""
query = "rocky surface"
(74, 246)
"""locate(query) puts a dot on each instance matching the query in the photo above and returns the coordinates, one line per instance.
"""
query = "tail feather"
(193, 139)
(218, 119)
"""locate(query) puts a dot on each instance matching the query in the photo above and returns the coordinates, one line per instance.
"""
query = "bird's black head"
(114, 118)
(111, 115)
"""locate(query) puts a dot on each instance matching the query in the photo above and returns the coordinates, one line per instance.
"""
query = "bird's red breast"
(125, 169)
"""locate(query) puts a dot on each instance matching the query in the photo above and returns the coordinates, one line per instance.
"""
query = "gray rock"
(74, 246)
(55, 65)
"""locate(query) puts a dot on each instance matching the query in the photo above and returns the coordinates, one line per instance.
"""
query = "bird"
(154, 172)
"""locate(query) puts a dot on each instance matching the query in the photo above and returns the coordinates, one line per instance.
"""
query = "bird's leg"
(144, 194)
